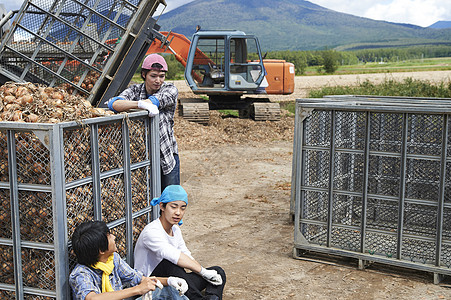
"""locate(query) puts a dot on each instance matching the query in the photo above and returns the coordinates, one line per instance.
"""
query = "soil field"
(238, 175)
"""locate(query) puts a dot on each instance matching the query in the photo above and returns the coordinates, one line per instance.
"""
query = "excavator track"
(265, 111)
(198, 111)
(195, 110)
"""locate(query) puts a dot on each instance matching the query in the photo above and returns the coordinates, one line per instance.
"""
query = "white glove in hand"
(147, 296)
(151, 108)
(211, 276)
(179, 284)
(159, 284)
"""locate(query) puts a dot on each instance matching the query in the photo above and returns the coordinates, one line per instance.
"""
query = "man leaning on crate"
(158, 97)
(102, 274)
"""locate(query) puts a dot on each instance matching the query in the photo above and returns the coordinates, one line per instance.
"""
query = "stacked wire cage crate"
(89, 47)
(371, 180)
(54, 177)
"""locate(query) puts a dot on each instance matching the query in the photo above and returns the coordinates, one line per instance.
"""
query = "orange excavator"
(225, 65)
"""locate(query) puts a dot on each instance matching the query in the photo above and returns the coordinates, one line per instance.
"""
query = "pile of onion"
(26, 102)
(87, 83)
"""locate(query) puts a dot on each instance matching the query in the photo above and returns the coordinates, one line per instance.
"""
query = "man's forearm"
(147, 284)
(163, 280)
(124, 105)
(116, 295)
(187, 262)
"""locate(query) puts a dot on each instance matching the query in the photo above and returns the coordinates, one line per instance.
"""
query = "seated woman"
(161, 250)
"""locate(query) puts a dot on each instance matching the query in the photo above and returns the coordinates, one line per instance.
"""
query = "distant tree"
(298, 58)
(175, 68)
(314, 58)
(330, 61)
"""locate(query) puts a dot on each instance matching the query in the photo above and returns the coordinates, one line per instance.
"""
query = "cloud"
(12, 4)
(172, 4)
(418, 12)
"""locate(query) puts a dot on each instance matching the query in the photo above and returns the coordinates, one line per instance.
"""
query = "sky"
(418, 12)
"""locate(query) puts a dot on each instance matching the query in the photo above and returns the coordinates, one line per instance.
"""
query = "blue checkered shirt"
(167, 95)
(84, 280)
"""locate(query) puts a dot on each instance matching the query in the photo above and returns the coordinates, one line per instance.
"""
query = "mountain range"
(298, 25)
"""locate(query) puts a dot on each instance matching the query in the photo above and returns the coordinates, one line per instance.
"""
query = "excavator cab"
(224, 62)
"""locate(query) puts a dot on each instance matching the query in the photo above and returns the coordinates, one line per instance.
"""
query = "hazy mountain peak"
(441, 24)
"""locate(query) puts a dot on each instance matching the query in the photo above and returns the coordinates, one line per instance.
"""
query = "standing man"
(158, 98)
(161, 250)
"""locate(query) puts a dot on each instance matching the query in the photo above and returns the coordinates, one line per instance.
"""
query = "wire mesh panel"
(71, 43)
(371, 180)
(60, 175)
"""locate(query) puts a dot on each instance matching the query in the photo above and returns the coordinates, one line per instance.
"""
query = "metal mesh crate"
(371, 180)
(54, 177)
(77, 45)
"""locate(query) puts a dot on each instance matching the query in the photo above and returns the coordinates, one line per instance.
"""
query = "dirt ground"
(238, 175)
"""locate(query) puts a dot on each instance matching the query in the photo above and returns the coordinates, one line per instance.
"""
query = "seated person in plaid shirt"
(102, 274)
(158, 98)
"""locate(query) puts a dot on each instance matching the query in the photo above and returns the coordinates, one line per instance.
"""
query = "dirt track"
(237, 174)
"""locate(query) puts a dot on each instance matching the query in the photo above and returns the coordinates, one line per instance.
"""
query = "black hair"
(164, 205)
(88, 239)
(156, 66)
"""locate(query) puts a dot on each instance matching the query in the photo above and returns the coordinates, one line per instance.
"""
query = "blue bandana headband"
(171, 193)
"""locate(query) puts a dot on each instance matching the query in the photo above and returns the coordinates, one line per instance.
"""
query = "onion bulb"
(17, 115)
(32, 118)
(57, 95)
(9, 99)
(25, 99)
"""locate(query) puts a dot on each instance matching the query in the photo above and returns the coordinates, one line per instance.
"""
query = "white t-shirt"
(154, 245)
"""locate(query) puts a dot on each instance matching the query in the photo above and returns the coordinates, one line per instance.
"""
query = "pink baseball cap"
(154, 58)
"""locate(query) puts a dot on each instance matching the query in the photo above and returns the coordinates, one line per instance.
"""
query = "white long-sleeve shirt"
(154, 245)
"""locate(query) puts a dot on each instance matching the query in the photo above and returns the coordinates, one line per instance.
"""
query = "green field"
(426, 64)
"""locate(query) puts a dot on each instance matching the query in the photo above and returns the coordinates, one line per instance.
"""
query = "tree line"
(328, 60)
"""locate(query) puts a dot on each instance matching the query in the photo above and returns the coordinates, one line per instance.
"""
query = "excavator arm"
(177, 44)
(172, 43)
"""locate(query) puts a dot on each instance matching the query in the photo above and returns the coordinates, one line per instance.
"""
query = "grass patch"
(137, 78)
(288, 105)
(227, 113)
(407, 88)
(414, 65)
